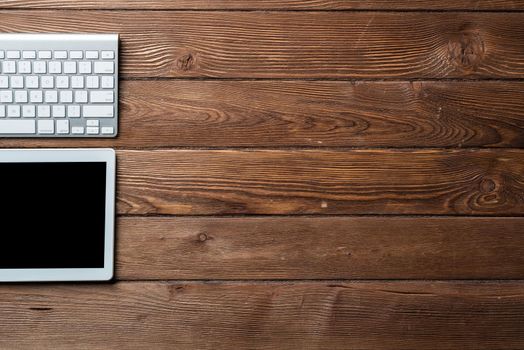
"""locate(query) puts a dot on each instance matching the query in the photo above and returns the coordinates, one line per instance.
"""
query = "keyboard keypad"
(57, 92)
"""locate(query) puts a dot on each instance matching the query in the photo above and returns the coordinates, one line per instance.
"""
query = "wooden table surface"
(300, 174)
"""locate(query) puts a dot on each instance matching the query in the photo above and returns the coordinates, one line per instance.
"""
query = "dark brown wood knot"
(466, 50)
(490, 191)
(202, 237)
(141, 317)
(487, 185)
(174, 291)
(186, 62)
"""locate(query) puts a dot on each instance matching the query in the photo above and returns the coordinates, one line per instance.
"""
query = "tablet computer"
(57, 214)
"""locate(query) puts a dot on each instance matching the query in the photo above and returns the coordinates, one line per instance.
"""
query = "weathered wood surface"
(297, 45)
(445, 182)
(319, 247)
(185, 113)
(329, 315)
(225, 78)
(268, 4)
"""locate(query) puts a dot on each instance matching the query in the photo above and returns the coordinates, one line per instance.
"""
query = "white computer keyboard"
(58, 85)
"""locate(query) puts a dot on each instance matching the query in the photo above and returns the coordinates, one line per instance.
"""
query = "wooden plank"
(477, 182)
(258, 44)
(370, 315)
(268, 4)
(320, 248)
(312, 114)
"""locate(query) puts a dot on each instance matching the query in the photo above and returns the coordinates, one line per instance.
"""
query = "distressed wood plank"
(370, 315)
(181, 182)
(320, 248)
(312, 114)
(299, 44)
(267, 4)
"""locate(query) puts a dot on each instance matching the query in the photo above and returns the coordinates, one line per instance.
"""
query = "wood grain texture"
(312, 114)
(268, 4)
(345, 45)
(181, 182)
(371, 315)
(320, 247)
(206, 77)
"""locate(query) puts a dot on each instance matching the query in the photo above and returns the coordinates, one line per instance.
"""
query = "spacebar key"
(100, 111)
(17, 127)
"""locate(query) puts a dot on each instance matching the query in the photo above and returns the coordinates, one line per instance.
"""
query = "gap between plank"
(274, 281)
(349, 80)
(323, 281)
(413, 10)
(304, 216)
(294, 148)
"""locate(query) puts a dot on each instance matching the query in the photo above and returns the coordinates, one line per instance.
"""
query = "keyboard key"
(45, 55)
(92, 82)
(73, 111)
(58, 111)
(13, 54)
(107, 130)
(108, 55)
(77, 82)
(43, 111)
(60, 54)
(77, 130)
(47, 82)
(2, 111)
(21, 96)
(17, 127)
(66, 96)
(51, 97)
(93, 122)
(62, 126)
(92, 130)
(31, 82)
(6, 96)
(4, 82)
(101, 96)
(29, 54)
(46, 127)
(36, 97)
(100, 111)
(55, 67)
(75, 55)
(39, 67)
(9, 67)
(80, 96)
(92, 55)
(69, 67)
(108, 82)
(2, 55)
(28, 111)
(24, 67)
(62, 82)
(84, 67)
(13, 111)
(104, 67)
(17, 82)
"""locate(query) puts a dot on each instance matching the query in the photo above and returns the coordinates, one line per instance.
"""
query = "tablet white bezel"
(69, 155)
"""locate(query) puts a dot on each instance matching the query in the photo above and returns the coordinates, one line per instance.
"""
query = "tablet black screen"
(52, 215)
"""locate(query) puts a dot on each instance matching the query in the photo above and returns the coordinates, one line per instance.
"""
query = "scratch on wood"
(41, 308)
(364, 31)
